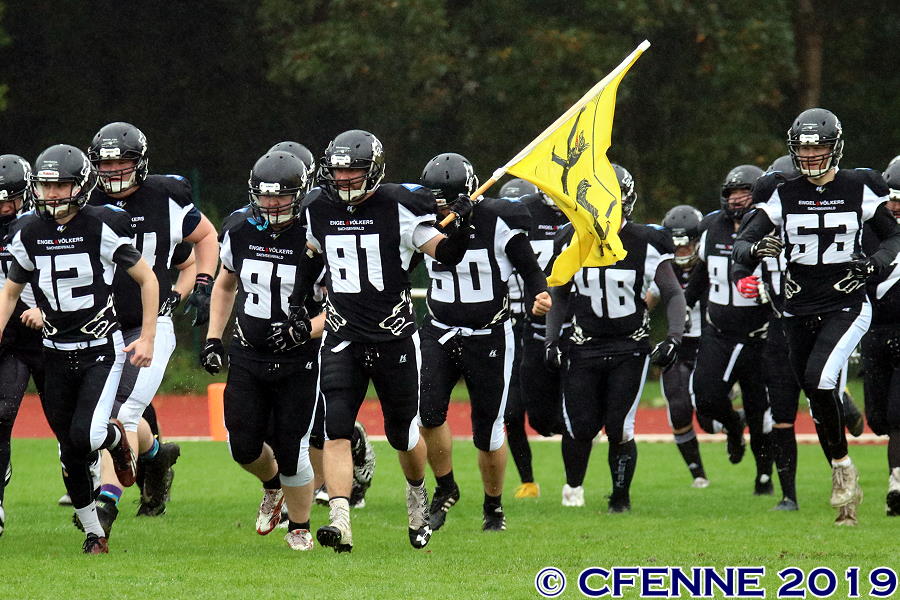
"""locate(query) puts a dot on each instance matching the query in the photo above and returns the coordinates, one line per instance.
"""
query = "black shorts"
(722, 361)
(484, 361)
(781, 383)
(541, 388)
(269, 402)
(602, 391)
(345, 369)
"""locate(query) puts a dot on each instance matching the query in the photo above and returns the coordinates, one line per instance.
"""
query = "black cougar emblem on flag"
(573, 153)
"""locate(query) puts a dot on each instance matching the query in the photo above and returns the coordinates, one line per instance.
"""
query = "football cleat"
(2, 519)
(123, 458)
(299, 539)
(64, 500)
(494, 520)
(417, 512)
(845, 486)
(893, 495)
(736, 443)
(337, 534)
(285, 519)
(618, 505)
(847, 513)
(94, 544)
(440, 505)
(321, 495)
(762, 486)
(269, 511)
(572, 496)
(700, 483)
(156, 471)
(107, 511)
(363, 467)
(529, 489)
(786, 504)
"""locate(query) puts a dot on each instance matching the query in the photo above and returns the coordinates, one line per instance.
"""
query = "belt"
(76, 345)
(453, 330)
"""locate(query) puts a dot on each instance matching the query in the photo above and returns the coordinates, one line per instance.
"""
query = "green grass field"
(206, 546)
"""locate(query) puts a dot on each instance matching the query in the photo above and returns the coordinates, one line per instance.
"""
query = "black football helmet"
(301, 152)
(741, 177)
(816, 127)
(447, 176)
(14, 173)
(785, 166)
(626, 185)
(277, 174)
(892, 177)
(354, 149)
(120, 141)
(61, 164)
(516, 188)
(684, 223)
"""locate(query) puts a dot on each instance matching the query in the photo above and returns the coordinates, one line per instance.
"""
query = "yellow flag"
(568, 162)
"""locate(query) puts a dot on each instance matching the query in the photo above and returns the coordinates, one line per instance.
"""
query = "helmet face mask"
(15, 194)
(448, 175)
(62, 180)
(353, 166)
(815, 142)
(736, 198)
(684, 223)
(123, 149)
(277, 185)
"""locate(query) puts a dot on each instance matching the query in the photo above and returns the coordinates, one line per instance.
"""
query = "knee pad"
(432, 417)
(243, 452)
(304, 472)
(681, 438)
(402, 437)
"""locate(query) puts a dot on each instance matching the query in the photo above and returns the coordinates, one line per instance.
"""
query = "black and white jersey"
(884, 293)
(822, 228)
(608, 309)
(265, 266)
(16, 333)
(545, 222)
(474, 293)
(367, 250)
(726, 310)
(162, 214)
(72, 269)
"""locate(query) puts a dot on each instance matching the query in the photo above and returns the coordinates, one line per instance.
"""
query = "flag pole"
(590, 95)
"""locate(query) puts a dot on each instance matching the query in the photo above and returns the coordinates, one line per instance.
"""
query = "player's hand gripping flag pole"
(568, 162)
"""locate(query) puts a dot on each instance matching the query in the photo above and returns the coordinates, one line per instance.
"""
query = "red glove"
(748, 287)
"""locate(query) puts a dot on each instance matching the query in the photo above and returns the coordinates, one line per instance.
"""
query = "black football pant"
(16, 366)
(722, 361)
(881, 381)
(514, 415)
(541, 388)
(484, 362)
(79, 392)
(676, 388)
(819, 347)
(260, 395)
(345, 369)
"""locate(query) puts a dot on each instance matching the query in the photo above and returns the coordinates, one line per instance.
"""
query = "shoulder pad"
(513, 212)
(660, 238)
(415, 198)
(177, 187)
(237, 218)
(872, 179)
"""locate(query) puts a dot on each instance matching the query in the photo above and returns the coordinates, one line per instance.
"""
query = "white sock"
(846, 462)
(89, 519)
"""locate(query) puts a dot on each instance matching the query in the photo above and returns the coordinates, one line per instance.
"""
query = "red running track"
(187, 417)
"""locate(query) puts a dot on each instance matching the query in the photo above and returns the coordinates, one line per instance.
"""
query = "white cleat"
(419, 518)
(269, 511)
(700, 483)
(299, 539)
(893, 495)
(572, 496)
(64, 500)
(337, 533)
(2, 519)
(844, 485)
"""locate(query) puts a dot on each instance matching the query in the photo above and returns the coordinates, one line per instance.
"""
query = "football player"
(72, 252)
(162, 214)
(367, 232)
(273, 366)
(609, 354)
(20, 346)
(731, 349)
(881, 350)
(826, 311)
(468, 332)
(684, 224)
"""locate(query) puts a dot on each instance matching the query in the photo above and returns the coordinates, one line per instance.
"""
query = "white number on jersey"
(805, 245)
(256, 277)
(616, 289)
(472, 276)
(60, 274)
(343, 252)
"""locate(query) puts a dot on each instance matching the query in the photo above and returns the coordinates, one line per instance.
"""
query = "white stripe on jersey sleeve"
(502, 235)
(310, 236)
(17, 249)
(408, 225)
(225, 252)
(870, 202)
(177, 213)
(651, 261)
(773, 208)
(701, 247)
(110, 241)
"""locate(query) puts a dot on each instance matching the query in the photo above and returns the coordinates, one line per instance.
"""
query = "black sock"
(622, 462)
(784, 446)
(491, 502)
(520, 450)
(829, 418)
(292, 525)
(575, 455)
(416, 482)
(273, 484)
(761, 446)
(446, 482)
(690, 452)
(894, 448)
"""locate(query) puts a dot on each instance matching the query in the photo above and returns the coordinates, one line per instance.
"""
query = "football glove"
(770, 246)
(748, 286)
(665, 353)
(212, 356)
(859, 270)
(552, 356)
(199, 299)
(167, 308)
(287, 335)
(462, 208)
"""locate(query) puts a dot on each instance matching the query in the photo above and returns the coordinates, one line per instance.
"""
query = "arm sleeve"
(309, 272)
(451, 249)
(885, 227)
(18, 273)
(697, 285)
(672, 296)
(557, 315)
(126, 256)
(758, 227)
(522, 257)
